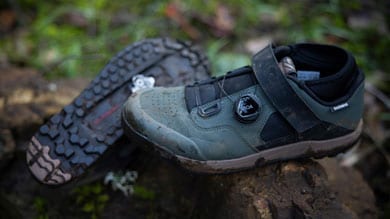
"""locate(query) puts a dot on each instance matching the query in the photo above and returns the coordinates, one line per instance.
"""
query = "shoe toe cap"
(151, 117)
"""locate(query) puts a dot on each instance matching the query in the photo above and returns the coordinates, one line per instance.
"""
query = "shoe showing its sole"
(76, 137)
(305, 149)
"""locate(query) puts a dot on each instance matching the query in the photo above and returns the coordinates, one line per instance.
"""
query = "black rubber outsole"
(72, 140)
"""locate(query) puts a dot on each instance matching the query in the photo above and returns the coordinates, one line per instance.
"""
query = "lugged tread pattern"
(76, 137)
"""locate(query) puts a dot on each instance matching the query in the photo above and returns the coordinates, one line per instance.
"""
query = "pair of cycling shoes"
(295, 101)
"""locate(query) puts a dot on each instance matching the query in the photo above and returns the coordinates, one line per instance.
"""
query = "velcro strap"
(280, 93)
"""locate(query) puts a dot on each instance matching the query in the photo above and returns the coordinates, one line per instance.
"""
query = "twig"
(378, 94)
(358, 155)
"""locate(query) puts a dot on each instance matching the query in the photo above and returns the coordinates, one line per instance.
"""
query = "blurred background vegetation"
(72, 38)
(66, 38)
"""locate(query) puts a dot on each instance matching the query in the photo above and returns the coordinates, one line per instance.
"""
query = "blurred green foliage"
(40, 206)
(69, 38)
(91, 199)
(143, 193)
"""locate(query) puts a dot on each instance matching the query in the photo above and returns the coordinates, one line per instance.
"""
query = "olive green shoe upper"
(254, 108)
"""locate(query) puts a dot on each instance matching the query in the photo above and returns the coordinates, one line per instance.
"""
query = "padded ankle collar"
(280, 93)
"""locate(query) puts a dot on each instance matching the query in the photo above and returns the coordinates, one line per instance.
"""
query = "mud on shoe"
(72, 140)
(296, 101)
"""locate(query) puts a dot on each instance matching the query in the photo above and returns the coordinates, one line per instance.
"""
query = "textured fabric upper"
(216, 135)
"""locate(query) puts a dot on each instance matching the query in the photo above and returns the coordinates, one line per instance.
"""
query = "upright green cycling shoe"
(302, 100)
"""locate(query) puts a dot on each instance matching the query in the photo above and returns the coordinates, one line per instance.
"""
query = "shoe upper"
(290, 93)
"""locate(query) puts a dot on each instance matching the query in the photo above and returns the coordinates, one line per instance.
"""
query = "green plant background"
(46, 41)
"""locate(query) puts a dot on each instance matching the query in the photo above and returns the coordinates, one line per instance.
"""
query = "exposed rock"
(295, 189)
(7, 147)
(350, 188)
(26, 98)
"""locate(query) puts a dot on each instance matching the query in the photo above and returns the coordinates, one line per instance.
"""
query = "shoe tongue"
(287, 66)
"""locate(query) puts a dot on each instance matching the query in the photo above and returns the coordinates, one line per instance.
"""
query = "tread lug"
(55, 119)
(88, 95)
(100, 138)
(74, 139)
(74, 130)
(67, 122)
(129, 57)
(78, 102)
(97, 89)
(83, 142)
(121, 63)
(105, 84)
(104, 74)
(60, 149)
(88, 161)
(44, 129)
(80, 112)
(60, 140)
(75, 160)
(69, 153)
(69, 109)
(114, 78)
(112, 69)
(53, 134)
(89, 105)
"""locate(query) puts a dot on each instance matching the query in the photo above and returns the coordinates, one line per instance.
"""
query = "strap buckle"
(209, 110)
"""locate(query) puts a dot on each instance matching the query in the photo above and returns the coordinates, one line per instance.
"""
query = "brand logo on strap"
(339, 107)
